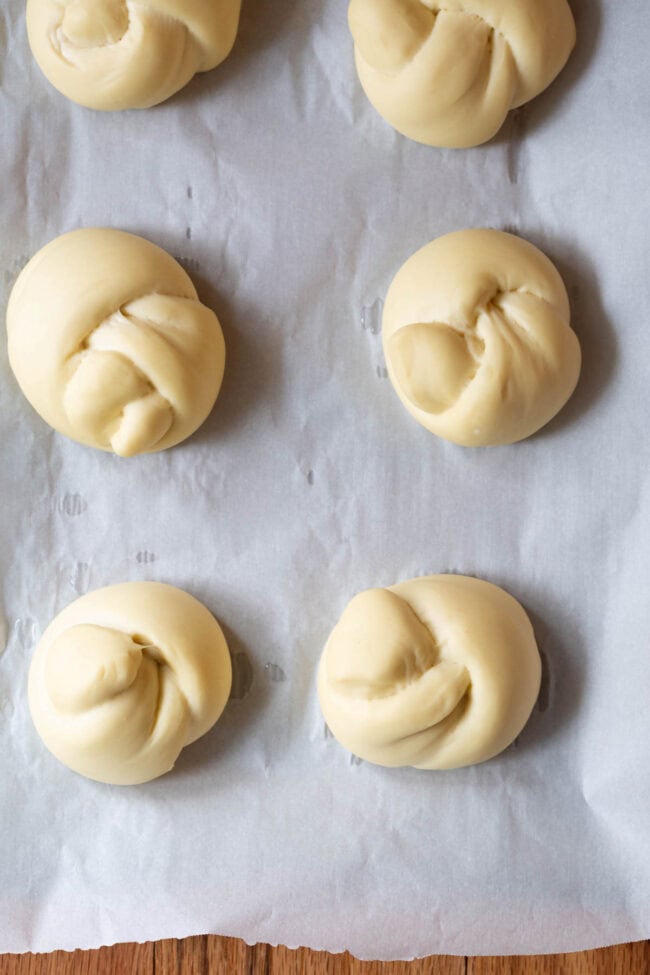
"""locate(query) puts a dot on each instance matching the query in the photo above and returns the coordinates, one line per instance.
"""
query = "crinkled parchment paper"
(292, 204)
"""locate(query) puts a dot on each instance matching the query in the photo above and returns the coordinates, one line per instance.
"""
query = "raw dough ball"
(110, 344)
(447, 75)
(125, 677)
(477, 338)
(438, 673)
(113, 54)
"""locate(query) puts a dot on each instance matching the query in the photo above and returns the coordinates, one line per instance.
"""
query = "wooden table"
(226, 956)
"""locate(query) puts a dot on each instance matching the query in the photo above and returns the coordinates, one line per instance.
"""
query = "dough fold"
(437, 673)
(111, 345)
(127, 676)
(118, 54)
(477, 338)
(447, 74)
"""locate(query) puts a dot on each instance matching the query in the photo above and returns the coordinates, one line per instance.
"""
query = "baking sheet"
(292, 205)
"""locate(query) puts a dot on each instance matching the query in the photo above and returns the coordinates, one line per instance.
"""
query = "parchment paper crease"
(293, 204)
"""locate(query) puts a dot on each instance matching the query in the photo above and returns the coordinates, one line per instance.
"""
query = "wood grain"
(633, 959)
(120, 960)
(199, 956)
(227, 956)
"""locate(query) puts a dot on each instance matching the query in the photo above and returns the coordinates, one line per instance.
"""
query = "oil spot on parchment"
(80, 578)
(145, 558)
(72, 505)
(371, 317)
(242, 676)
(515, 142)
(275, 673)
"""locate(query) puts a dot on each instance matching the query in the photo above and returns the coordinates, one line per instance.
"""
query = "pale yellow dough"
(110, 344)
(477, 338)
(437, 673)
(127, 676)
(447, 74)
(116, 54)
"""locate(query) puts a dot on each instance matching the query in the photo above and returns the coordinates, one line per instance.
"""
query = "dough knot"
(111, 345)
(117, 54)
(127, 676)
(437, 672)
(477, 338)
(447, 73)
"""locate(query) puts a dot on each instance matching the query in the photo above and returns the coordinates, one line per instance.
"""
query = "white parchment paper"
(292, 204)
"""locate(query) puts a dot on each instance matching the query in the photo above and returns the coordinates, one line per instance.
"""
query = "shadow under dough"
(588, 17)
(560, 641)
(244, 708)
(253, 370)
(261, 24)
(590, 323)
